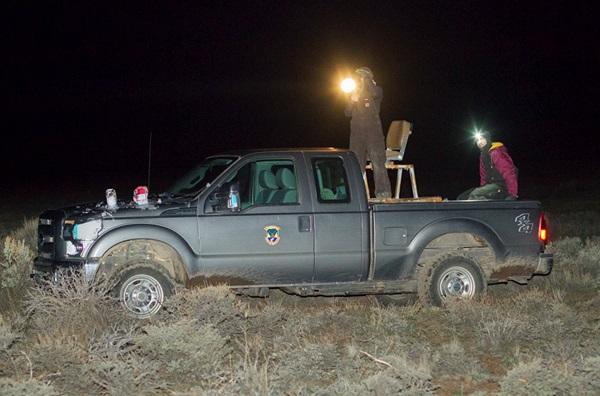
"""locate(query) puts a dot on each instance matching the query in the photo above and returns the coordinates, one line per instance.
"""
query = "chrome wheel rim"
(456, 282)
(142, 295)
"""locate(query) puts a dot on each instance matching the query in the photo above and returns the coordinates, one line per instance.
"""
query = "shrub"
(400, 377)
(250, 377)
(590, 371)
(216, 306)
(32, 387)
(500, 332)
(540, 378)
(390, 319)
(15, 268)
(192, 353)
(309, 363)
(72, 308)
(589, 258)
(445, 359)
(115, 343)
(60, 360)
(567, 248)
(132, 376)
(268, 322)
(27, 233)
(16, 264)
(16, 258)
(7, 336)
(573, 252)
(583, 223)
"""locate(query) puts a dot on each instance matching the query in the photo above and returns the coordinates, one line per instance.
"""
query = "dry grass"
(71, 338)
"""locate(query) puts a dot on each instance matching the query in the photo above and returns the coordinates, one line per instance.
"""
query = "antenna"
(149, 159)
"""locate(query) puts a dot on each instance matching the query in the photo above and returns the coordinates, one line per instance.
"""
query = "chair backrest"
(397, 136)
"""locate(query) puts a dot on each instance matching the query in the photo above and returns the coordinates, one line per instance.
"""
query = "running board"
(334, 289)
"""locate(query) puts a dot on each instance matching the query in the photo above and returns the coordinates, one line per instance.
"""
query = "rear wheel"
(142, 291)
(454, 277)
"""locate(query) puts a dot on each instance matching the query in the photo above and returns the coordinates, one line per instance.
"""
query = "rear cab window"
(331, 180)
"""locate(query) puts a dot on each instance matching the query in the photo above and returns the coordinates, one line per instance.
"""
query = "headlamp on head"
(480, 134)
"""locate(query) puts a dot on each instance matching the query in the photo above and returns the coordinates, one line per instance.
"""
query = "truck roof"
(244, 152)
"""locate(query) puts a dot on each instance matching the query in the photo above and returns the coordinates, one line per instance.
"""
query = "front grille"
(49, 234)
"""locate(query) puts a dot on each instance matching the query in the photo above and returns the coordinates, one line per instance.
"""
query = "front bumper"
(545, 264)
(44, 268)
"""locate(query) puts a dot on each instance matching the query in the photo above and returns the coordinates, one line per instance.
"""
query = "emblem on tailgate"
(524, 224)
(272, 236)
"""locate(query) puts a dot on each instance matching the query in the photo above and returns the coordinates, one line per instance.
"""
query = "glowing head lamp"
(481, 134)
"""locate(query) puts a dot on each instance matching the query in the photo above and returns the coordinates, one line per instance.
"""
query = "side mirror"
(233, 198)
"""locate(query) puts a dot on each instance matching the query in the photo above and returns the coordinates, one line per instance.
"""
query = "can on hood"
(111, 198)
(140, 195)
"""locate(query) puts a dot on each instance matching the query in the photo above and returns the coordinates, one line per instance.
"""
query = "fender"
(132, 232)
(407, 265)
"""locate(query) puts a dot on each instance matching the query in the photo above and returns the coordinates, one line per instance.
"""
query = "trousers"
(487, 191)
(366, 141)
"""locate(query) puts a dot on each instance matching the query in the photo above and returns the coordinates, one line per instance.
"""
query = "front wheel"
(142, 291)
(455, 278)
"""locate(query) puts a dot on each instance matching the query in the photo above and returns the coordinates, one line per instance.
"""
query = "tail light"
(543, 229)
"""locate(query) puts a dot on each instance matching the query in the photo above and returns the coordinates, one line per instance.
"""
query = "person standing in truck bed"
(497, 172)
(366, 133)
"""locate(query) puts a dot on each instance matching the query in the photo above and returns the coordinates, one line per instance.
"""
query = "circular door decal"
(272, 236)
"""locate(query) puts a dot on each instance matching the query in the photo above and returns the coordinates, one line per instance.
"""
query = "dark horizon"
(86, 85)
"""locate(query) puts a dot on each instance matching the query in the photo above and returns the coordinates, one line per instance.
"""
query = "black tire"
(142, 290)
(454, 277)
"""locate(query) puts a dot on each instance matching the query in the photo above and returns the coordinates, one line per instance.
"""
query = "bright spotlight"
(348, 85)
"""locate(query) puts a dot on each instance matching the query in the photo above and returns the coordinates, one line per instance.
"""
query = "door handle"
(304, 224)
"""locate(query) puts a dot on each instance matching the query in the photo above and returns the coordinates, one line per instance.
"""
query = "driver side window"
(259, 183)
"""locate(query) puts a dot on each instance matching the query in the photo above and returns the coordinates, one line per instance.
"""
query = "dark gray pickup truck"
(298, 220)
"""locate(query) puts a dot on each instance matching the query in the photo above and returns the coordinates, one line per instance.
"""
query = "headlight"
(87, 231)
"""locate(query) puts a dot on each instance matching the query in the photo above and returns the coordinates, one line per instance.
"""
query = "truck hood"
(95, 210)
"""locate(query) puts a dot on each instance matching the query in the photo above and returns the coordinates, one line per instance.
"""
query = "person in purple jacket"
(497, 172)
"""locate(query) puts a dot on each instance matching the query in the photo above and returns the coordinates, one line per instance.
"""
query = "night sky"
(86, 84)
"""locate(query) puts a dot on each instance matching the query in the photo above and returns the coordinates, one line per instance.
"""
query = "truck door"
(270, 239)
(341, 220)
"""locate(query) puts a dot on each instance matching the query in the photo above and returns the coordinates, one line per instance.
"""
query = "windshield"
(198, 177)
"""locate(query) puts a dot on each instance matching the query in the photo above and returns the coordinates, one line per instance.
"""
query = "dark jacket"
(496, 166)
(369, 101)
